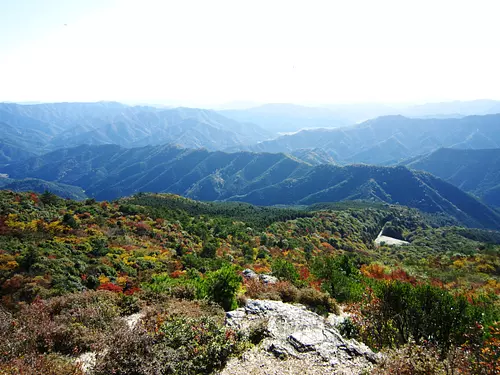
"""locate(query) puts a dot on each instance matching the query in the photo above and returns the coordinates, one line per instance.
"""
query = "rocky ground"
(289, 340)
(295, 341)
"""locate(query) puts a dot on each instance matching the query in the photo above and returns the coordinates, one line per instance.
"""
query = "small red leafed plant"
(110, 287)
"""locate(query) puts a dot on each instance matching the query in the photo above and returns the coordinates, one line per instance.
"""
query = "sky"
(211, 52)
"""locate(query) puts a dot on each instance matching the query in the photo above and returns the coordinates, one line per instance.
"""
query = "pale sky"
(209, 52)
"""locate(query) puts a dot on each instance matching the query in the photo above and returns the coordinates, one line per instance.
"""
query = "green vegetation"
(70, 271)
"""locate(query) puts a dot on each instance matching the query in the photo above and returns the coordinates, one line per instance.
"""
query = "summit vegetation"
(73, 272)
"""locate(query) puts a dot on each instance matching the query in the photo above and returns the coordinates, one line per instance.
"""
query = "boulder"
(249, 274)
(268, 279)
(294, 333)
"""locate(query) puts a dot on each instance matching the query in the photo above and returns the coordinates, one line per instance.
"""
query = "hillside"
(474, 171)
(108, 172)
(28, 130)
(44, 127)
(391, 139)
(314, 156)
(328, 183)
(41, 186)
(139, 286)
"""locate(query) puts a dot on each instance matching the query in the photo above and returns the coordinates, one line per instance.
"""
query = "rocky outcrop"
(266, 279)
(295, 341)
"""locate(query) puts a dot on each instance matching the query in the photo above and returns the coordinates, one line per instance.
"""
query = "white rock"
(296, 333)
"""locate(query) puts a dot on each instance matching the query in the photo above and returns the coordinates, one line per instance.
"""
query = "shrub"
(401, 313)
(258, 331)
(241, 300)
(341, 278)
(129, 352)
(219, 286)
(320, 302)
(187, 286)
(315, 300)
(66, 324)
(222, 285)
(40, 364)
(287, 292)
(285, 270)
(349, 329)
(183, 346)
(128, 305)
(412, 360)
(184, 291)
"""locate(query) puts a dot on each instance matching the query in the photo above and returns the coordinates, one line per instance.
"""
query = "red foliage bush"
(110, 287)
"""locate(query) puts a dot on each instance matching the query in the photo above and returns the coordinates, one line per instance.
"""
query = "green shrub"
(128, 305)
(222, 285)
(349, 329)
(188, 287)
(219, 286)
(342, 280)
(402, 313)
(285, 270)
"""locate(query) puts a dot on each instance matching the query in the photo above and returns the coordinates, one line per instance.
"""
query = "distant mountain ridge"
(392, 139)
(35, 129)
(28, 130)
(283, 117)
(111, 171)
(474, 171)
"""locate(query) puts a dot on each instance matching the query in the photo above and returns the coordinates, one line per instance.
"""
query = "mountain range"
(27, 130)
(282, 117)
(107, 150)
(110, 171)
(474, 171)
(30, 130)
(392, 139)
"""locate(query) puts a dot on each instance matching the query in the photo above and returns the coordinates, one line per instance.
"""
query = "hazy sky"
(210, 51)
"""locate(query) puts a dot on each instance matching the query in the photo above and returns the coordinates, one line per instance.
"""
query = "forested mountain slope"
(108, 172)
(475, 171)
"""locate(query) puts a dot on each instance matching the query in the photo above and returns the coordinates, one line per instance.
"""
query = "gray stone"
(295, 332)
(306, 340)
(249, 274)
(268, 279)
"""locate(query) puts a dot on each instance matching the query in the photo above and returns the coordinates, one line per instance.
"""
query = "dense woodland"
(70, 269)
